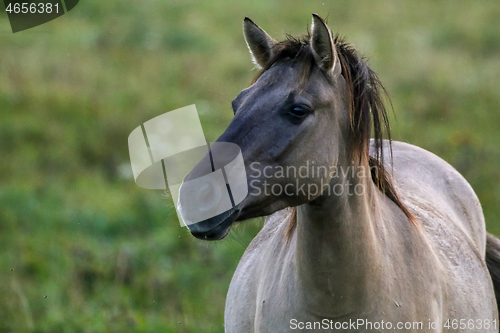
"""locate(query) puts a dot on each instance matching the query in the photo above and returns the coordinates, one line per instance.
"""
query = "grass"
(82, 249)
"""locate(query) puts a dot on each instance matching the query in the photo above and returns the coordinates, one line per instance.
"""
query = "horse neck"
(337, 250)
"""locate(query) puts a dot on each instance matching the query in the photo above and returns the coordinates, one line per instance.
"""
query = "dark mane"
(366, 107)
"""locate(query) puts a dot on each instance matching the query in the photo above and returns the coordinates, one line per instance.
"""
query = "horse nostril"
(207, 196)
(199, 199)
(206, 191)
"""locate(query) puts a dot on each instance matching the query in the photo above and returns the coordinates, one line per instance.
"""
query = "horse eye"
(299, 111)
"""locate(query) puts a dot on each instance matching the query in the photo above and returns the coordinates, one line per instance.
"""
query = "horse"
(362, 233)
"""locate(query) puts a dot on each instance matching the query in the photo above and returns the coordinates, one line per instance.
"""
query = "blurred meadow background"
(83, 249)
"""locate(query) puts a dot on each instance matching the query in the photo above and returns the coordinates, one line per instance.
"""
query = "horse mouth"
(215, 228)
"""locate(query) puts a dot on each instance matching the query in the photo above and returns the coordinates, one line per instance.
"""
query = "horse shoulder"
(451, 223)
(435, 190)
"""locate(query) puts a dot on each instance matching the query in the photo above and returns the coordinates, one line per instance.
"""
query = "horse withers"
(353, 241)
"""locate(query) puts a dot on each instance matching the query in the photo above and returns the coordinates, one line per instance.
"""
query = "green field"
(83, 249)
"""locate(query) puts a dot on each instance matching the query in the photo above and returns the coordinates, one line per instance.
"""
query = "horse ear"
(324, 49)
(259, 43)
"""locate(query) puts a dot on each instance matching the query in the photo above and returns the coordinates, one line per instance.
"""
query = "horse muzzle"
(215, 228)
(206, 208)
